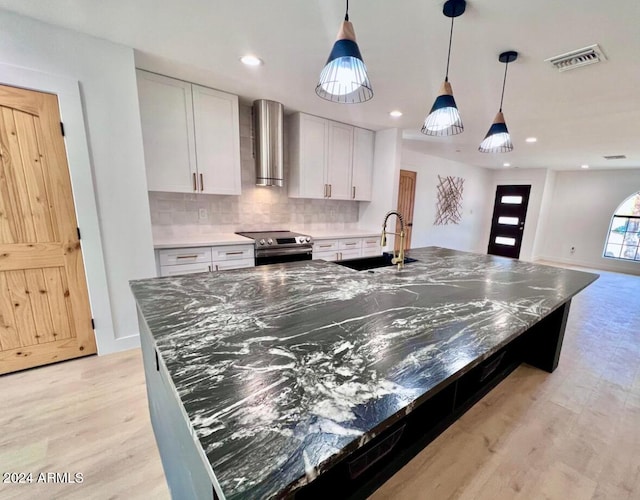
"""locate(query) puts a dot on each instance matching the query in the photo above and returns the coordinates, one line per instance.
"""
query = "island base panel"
(547, 336)
(183, 466)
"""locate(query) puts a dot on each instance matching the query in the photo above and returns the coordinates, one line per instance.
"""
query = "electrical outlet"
(203, 214)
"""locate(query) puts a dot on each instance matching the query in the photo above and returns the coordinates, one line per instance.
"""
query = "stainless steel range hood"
(269, 142)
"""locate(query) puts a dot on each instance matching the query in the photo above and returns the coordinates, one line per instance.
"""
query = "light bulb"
(343, 76)
(495, 141)
(442, 118)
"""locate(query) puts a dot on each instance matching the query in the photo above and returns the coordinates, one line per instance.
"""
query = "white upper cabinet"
(308, 139)
(217, 140)
(166, 113)
(191, 136)
(340, 159)
(323, 157)
(362, 179)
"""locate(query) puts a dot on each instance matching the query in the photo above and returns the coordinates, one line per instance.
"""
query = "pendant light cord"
(446, 77)
(503, 84)
(346, 14)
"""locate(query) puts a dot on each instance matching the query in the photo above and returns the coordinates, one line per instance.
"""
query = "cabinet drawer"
(175, 256)
(231, 252)
(352, 244)
(325, 246)
(184, 269)
(371, 242)
(233, 264)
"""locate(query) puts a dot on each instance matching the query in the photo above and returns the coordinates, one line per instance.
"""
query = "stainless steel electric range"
(277, 247)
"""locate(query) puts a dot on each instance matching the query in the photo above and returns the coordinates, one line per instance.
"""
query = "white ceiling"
(578, 116)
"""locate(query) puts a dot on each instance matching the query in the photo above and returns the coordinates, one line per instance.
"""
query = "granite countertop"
(283, 370)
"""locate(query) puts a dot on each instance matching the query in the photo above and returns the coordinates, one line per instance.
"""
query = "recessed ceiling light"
(506, 164)
(584, 166)
(395, 113)
(531, 139)
(250, 60)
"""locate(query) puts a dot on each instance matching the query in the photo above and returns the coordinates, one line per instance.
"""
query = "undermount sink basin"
(366, 263)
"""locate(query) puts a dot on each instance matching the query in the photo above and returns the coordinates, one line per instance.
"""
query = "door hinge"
(93, 324)
(78, 229)
(62, 128)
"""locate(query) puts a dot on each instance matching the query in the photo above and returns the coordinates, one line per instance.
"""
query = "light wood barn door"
(406, 200)
(44, 304)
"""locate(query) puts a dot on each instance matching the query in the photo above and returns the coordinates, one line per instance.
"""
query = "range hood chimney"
(269, 142)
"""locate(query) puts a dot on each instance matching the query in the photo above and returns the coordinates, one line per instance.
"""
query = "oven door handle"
(277, 252)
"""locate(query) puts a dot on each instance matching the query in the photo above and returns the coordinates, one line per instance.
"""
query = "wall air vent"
(614, 157)
(576, 58)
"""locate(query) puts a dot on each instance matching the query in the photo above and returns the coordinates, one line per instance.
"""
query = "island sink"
(366, 263)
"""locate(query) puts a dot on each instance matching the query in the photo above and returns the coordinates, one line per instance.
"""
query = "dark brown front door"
(507, 225)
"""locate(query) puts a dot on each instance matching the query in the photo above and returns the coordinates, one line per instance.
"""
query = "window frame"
(607, 242)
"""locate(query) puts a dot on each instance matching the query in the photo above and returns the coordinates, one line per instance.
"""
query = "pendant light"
(344, 77)
(444, 119)
(498, 139)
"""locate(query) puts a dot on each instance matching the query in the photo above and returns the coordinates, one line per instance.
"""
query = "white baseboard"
(603, 265)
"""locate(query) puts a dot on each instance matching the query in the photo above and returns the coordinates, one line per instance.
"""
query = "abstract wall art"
(449, 200)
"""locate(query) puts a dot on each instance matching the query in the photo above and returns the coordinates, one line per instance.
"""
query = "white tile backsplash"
(257, 208)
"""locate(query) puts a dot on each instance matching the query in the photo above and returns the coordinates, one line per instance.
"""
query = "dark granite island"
(309, 379)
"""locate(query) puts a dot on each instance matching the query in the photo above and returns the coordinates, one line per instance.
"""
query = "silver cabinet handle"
(201, 182)
(354, 193)
(234, 253)
(186, 256)
(195, 182)
(325, 246)
(329, 190)
(349, 244)
(209, 268)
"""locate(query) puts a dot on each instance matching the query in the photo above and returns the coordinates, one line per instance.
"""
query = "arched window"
(624, 232)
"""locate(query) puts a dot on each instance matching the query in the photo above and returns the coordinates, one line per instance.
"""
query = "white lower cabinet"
(179, 269)
(176, 261)
(346, 248)
(371, 247)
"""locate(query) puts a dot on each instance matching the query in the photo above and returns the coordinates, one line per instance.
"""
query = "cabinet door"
(180, 269)
(166, 114)
(363, 143)
(339, 166)
(313, 156)
(217, 141)
(233, 264)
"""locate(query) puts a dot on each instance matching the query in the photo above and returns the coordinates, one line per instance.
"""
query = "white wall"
(106, 76)
(580, 213)
(386, 176)
(473, 231)
(537, 178)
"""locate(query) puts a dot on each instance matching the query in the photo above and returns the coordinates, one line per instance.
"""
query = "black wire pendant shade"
(344, 78)
(498, 139)
(444, 118)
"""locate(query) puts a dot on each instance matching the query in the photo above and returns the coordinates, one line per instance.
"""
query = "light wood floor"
(570, 435)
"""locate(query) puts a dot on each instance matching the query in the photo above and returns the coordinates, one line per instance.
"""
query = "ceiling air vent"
(582, 57)
(614, 157)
